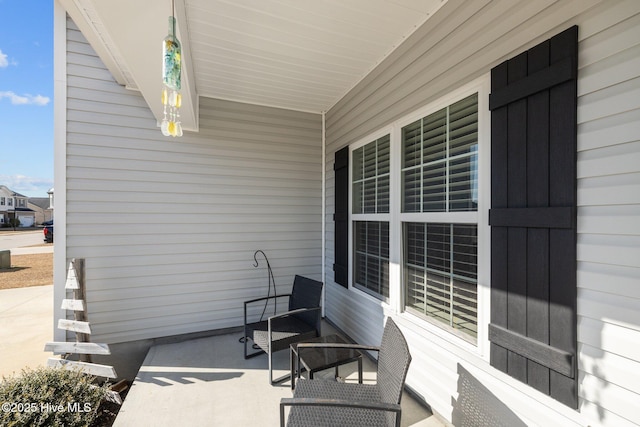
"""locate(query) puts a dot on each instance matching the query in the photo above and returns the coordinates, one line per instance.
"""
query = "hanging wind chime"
(171, 68)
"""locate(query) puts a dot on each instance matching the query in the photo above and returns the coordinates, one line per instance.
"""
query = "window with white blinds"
(439, 160)
(439, 168)
(370, 174)
(440, 270)
(416, 203)
(371, 170)
(371, 256)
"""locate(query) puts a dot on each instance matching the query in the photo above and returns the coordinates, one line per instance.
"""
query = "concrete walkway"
(33, 250)
(26, 314)
(26, 323)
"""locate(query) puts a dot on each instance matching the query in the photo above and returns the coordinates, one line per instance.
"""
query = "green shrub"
(49, 397)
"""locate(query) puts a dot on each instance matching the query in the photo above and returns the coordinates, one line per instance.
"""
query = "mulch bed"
(108, 411)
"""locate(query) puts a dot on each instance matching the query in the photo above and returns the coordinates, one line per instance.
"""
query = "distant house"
(41, 207)
(15, 205)
(480, 185)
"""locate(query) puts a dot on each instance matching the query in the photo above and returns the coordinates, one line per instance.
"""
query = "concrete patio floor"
(207, 381)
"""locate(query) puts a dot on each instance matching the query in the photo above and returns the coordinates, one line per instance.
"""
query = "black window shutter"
(533, 106)
(341, 218)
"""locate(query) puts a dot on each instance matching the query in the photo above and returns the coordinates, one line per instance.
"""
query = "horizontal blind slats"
(370, 174)
(371, 270)
(447, 152)
(441, 273)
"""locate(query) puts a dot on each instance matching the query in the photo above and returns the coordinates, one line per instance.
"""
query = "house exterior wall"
(15, 205)
(168, 227)
(459, 44)
(40, 206)
(10, 201)
(5, 195)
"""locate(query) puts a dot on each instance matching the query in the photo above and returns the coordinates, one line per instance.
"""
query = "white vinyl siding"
(461, 42)
(609, 216)
(168, 226)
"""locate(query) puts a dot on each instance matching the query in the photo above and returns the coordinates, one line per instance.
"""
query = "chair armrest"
(265, 298)
(260, 299)
(304, 401)
(289, 313)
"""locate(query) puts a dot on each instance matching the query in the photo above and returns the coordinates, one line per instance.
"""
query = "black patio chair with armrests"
(324, 403)
(300, 322)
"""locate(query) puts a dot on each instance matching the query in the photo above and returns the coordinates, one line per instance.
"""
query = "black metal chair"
(324, 403)
(299, 323)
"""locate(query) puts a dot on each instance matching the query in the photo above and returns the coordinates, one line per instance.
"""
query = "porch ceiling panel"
(295, 54)
(302, 54)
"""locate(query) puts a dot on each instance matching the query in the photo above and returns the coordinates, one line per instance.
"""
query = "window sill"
(443, 332)
(384, 303)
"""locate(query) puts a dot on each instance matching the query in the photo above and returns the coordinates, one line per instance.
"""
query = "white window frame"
(369, 216)
(395, 304)
(480, 217)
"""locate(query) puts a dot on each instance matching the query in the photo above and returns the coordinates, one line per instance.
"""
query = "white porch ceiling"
(297, 54)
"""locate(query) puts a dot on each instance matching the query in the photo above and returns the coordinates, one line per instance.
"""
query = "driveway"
(26, 314)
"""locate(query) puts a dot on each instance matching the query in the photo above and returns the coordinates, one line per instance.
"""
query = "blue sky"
(26, 96)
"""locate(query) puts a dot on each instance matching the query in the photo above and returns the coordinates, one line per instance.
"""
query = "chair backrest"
(306, 293)
(393, 363)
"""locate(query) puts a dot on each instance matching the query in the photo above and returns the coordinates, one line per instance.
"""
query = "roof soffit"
(296, 54)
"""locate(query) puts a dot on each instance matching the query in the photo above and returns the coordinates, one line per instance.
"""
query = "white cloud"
(27, 185)
(4, 62)
(25, 99)
(40, 100)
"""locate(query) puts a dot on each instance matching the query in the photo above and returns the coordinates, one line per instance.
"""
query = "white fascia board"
(80, 11)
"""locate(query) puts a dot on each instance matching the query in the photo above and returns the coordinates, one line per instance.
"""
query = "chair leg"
(252, 355)
(270, 367)
(249, 356)
(281, 415)
(277, 380)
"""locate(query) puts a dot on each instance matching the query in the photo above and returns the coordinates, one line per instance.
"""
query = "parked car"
(48, 231)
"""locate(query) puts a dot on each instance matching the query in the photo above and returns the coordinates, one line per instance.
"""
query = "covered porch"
(206, 381)
(274, 94)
